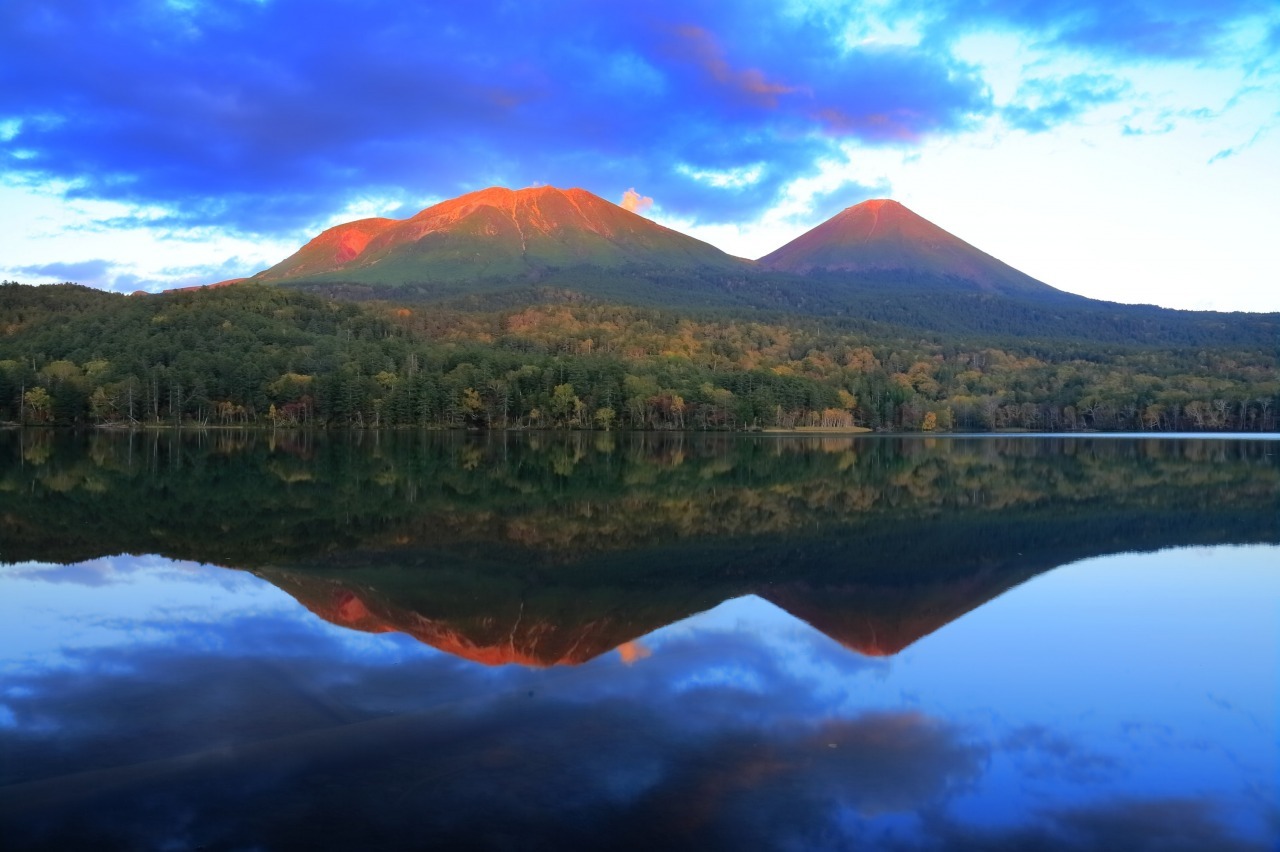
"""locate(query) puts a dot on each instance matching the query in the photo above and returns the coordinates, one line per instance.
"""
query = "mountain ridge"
(500, 232)
(496, 232)
(874, 620)
(876, 263)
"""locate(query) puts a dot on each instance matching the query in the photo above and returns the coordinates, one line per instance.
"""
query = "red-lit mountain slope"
(882, 237)
(497, 232)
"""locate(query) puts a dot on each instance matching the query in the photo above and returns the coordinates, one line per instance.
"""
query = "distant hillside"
(22, 306)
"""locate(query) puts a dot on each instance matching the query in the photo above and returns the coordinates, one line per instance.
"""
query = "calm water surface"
(247, 641)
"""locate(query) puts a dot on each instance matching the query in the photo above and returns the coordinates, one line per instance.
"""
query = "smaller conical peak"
(879, 219)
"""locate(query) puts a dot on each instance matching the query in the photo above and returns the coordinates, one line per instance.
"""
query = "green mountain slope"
(875, 262)
(882, 236)
(497, 233)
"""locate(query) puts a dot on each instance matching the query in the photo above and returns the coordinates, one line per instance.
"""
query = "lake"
(266, 641)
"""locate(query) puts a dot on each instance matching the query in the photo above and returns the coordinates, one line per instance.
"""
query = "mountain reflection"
(629, 758)
(252, 727)
(551, 549)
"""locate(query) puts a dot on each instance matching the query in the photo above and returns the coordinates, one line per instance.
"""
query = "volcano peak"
(884, 236)
(498, 232)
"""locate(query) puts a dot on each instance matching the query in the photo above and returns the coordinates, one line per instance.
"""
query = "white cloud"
(635, 202)
(1142, 216)
(727, 178)
(1139, 219)
(38, 228)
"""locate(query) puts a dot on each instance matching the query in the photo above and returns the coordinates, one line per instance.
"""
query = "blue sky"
(1121, 150)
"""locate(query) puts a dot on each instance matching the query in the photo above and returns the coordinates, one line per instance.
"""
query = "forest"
(259, 355)
(300, 497)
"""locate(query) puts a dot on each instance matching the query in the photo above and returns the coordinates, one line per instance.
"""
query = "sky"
(1121, 150)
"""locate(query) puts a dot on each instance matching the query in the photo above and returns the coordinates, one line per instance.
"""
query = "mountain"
(494, 627)
(527, 627)
(881, 238)
(497, 233)
(500, 233)
(876, 265)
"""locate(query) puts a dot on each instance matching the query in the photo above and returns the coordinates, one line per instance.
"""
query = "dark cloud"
(311, 744)
(1043, 752)
(268, 116)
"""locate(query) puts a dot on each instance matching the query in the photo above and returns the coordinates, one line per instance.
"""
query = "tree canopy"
(264, 355)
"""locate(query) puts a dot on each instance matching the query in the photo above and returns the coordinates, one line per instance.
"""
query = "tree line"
(297, 496)
(260, 355)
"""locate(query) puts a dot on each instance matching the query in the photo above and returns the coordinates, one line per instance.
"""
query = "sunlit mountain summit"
(882, 237)
(497, 232)
(526, 233)
(875, 261)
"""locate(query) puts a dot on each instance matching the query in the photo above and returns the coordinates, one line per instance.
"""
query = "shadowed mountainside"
(545, 623)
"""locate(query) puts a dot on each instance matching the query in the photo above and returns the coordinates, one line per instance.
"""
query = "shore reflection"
(652, 641)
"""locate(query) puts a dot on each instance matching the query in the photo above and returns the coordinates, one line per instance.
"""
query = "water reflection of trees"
(259, 497)
(551, 548)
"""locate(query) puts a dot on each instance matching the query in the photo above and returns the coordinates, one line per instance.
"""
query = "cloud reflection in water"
(246, 721)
